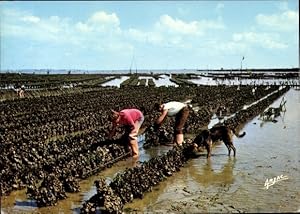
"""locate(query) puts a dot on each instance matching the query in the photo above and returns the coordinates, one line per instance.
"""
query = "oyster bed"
(51, 142)
(134, 182)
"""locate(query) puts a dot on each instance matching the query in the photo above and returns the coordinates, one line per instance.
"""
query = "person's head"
(114, 116)
(157, 106)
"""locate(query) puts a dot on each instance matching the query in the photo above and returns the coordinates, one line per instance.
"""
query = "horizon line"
(146, 69)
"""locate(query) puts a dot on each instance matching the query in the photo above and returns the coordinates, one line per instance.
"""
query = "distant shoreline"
(148, 71)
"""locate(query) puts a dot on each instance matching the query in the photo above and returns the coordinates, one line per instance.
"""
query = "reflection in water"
(29, 203)
(147, 154)
(115, 82)
(198, 174)
(164, 81)
(211, 173)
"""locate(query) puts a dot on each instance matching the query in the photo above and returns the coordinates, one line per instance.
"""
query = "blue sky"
(108, 35)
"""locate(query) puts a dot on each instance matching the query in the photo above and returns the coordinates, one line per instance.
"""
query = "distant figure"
(131, 119)
(254, 90)
(221, 112)
(21, 91)
(177, 109)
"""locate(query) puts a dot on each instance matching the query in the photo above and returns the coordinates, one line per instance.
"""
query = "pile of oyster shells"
(50, 191)
(134, 182)
(64, 173)
(105, 200)
(157, 137)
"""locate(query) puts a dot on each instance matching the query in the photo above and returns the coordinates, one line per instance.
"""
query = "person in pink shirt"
(132, 119)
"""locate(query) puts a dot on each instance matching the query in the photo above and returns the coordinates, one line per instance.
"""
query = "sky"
(114, 35)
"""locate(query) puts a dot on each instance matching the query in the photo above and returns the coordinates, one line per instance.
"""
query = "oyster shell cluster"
(105, 200)
(157, 137)
(135, 182)
(66, 173)
(50, 191)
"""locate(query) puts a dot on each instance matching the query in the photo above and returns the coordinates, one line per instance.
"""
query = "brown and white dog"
(222, 133)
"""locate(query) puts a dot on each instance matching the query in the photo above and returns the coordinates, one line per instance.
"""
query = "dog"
(223, 133)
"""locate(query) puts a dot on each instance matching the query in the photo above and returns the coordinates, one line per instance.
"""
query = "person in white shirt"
(174, 109)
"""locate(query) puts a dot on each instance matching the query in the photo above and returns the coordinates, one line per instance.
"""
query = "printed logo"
(272, 181)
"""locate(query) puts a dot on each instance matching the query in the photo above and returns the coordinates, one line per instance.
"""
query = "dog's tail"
(237, 134)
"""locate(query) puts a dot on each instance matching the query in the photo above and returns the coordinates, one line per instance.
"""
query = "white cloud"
(285, 21)
(173, 33)
(23, 24)
(101, 22)
(103, 18)
(176, 26)
(82, 27)
(98, 30)
(137, 35)
(155, 38)
(265, 40)
(102, 31)
(32, 19)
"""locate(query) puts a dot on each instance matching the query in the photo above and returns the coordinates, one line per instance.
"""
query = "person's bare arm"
(162, 117)
(112, 131)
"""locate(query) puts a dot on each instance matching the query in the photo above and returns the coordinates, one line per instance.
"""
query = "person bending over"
(173, 109)
(132, 119)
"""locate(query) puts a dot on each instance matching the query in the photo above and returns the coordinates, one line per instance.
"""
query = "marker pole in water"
(242, 63)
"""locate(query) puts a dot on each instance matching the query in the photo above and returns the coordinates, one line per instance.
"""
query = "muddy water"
(220, 184)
